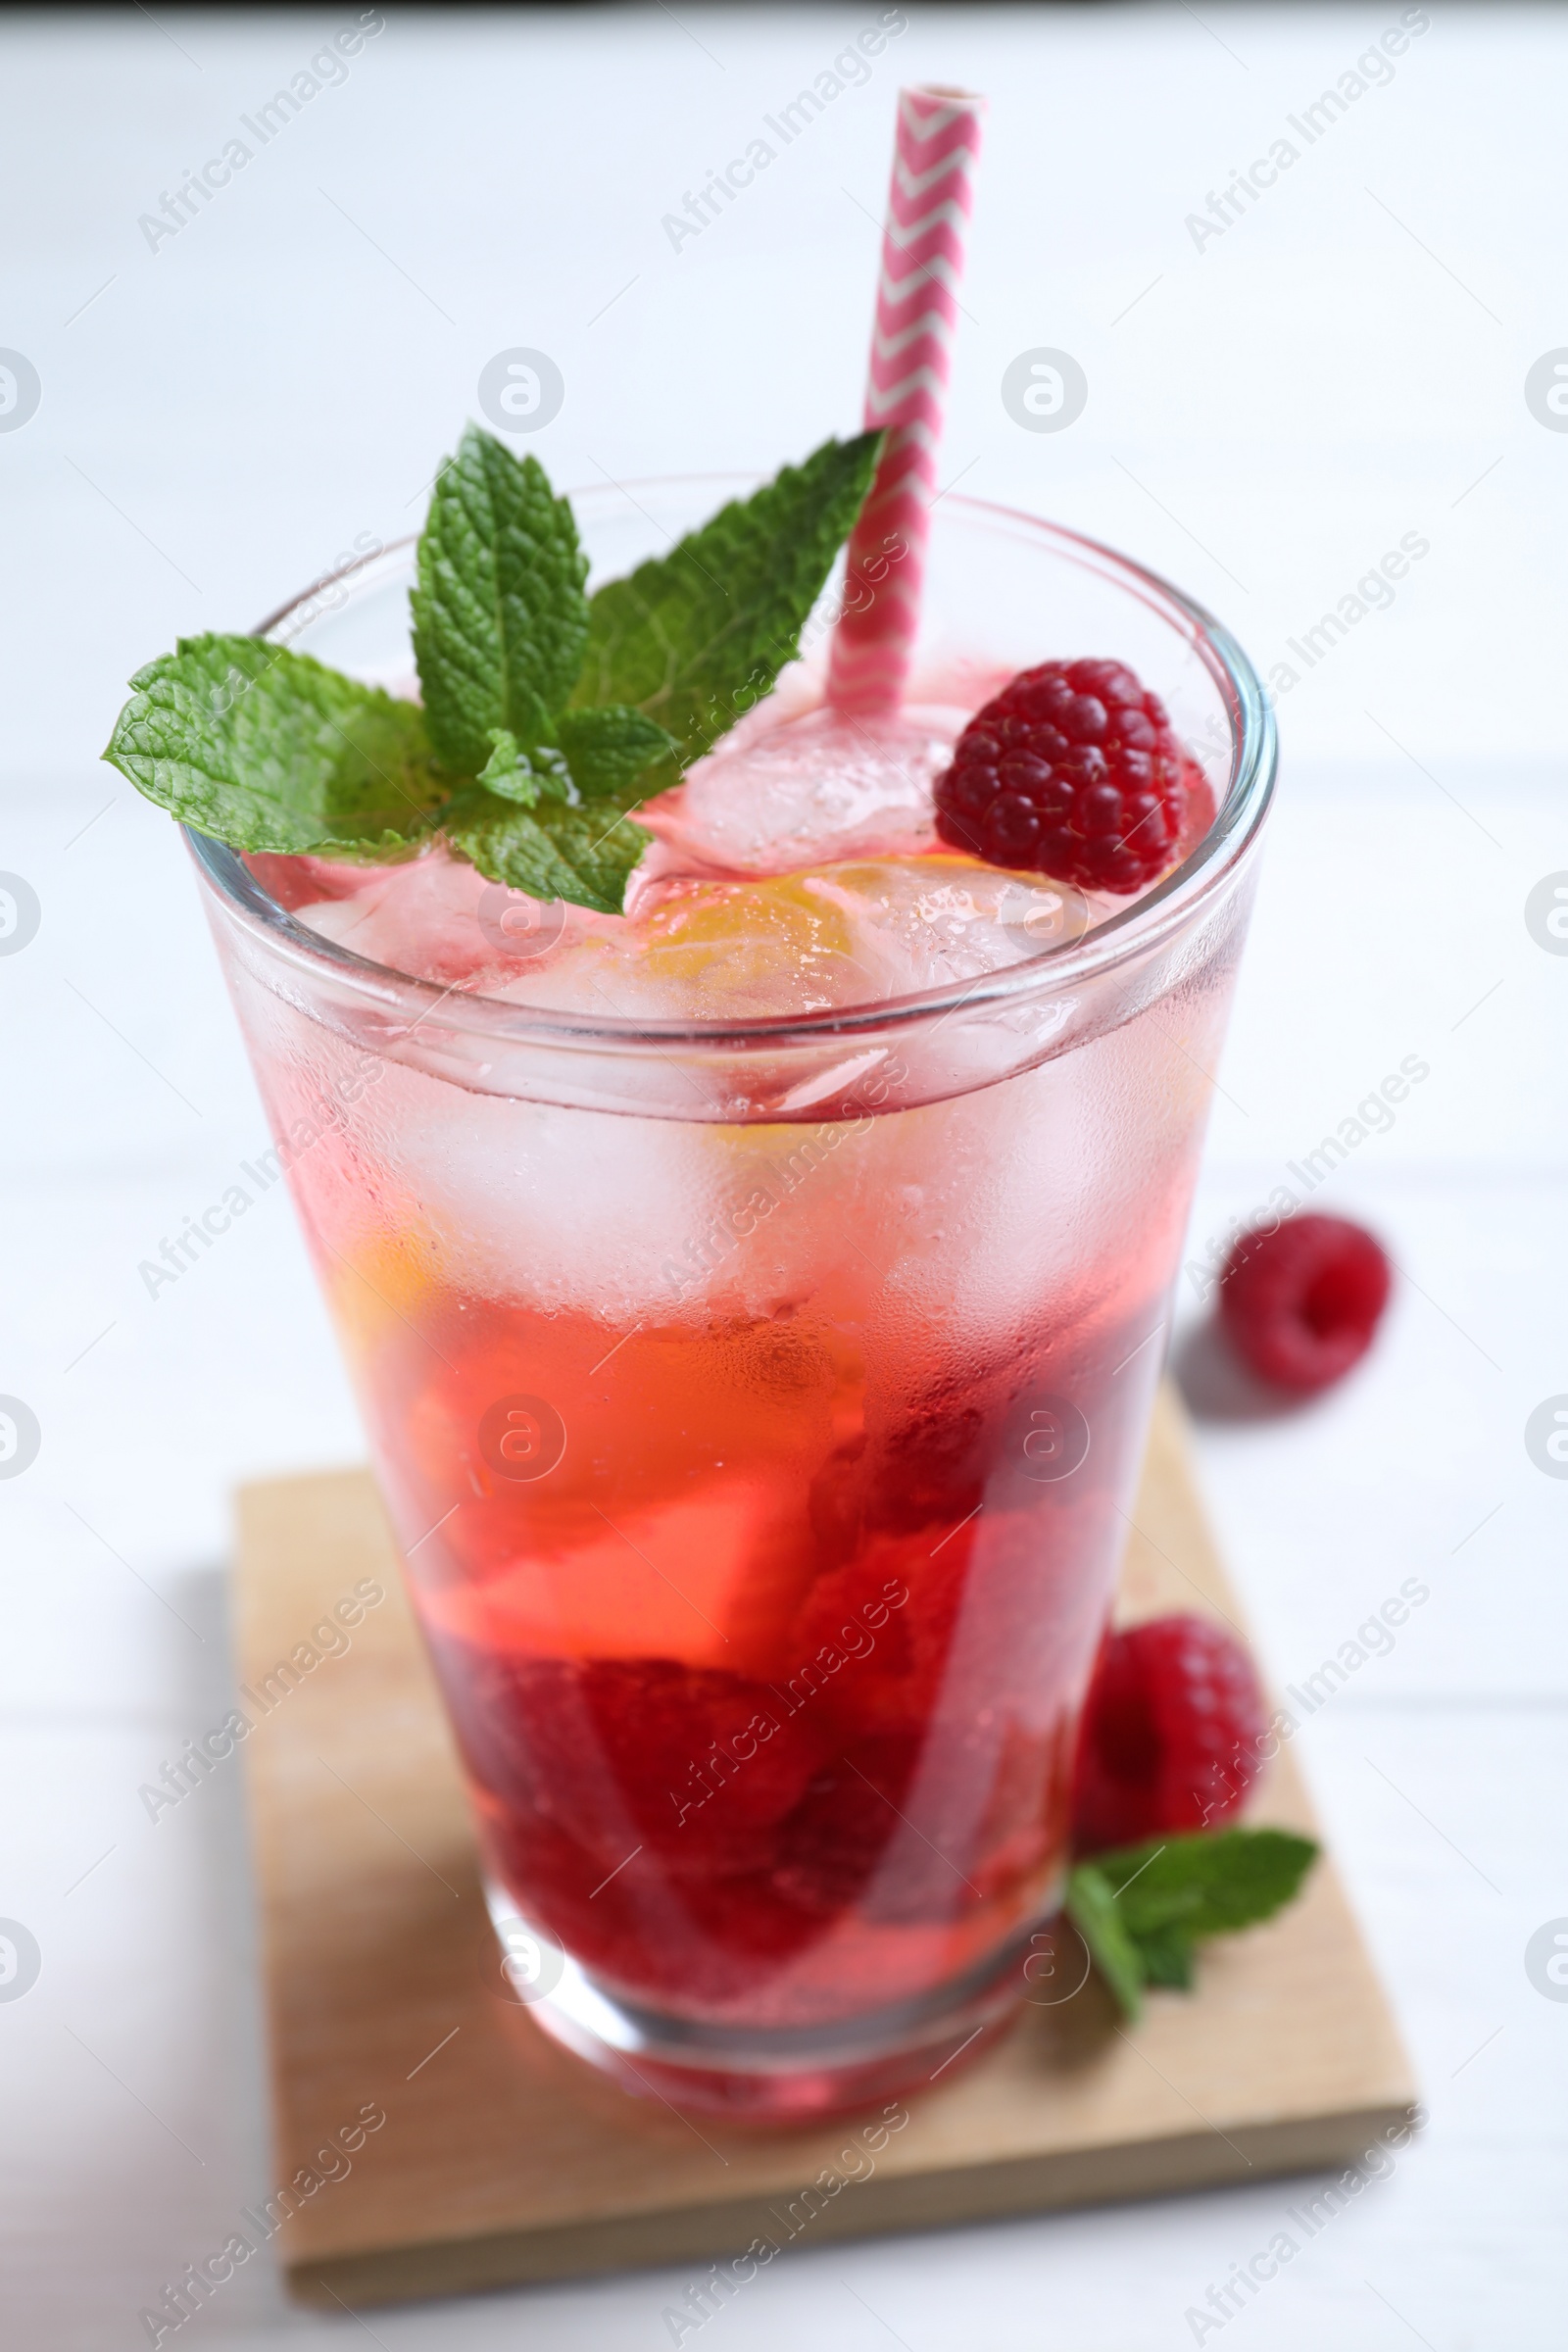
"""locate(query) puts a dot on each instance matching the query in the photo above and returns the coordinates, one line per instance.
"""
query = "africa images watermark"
(1374, 1637)
(1374, 1115)
(778, 1179)
(849, 70)
(330, 589)
(1374, 592)
(1373, 69)
(1311, 2218)
(198, 1234)
(197, 2283)
(199, 1759)
(854, 1638)
(857, 2162)
(327, 69)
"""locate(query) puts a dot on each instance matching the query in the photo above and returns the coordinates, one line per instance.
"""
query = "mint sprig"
(500, 618)
(696, 637)
(268, 749)
(546, 717)
(583, 854)
(1142, 1909)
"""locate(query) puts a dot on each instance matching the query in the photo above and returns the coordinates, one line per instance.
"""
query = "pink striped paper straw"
(929, 202)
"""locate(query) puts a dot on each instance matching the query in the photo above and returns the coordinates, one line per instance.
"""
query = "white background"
(1343, 366)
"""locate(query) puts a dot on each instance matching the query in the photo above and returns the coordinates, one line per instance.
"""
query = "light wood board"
(501, 2159)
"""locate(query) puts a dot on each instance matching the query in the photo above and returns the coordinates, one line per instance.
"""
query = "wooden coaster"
(501, 2159)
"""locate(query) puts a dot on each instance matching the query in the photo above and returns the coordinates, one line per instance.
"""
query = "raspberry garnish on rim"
(1074, 770)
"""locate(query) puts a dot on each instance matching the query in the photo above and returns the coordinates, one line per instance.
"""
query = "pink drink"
(756, 1302)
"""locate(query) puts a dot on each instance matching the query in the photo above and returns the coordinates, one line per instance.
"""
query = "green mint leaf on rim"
(696, 637)
(519, 776)
(584, 853)
(528, 758)
(608, 748)
(1142, 1908)
(500, 620)
(268, 749)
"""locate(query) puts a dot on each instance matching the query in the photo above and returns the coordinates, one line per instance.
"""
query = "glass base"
(785, 2075)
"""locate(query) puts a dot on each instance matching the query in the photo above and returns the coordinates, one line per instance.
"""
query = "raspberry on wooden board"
(1172, 1732)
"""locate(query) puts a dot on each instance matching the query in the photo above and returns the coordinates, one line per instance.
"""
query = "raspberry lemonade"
(752, 1263)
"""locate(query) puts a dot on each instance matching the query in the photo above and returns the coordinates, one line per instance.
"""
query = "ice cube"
(437, 917)
(938, 920)
(857, 933)
(796, 870)
(808, 790)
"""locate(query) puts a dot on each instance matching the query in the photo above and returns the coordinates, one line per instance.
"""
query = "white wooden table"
(222, 410)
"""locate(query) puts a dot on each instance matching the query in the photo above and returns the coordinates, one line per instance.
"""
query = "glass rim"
(1140, 928)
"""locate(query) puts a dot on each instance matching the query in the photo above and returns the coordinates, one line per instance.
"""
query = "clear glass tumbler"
(759, 1405)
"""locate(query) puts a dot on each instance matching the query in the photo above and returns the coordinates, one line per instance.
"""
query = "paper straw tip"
(942, 94)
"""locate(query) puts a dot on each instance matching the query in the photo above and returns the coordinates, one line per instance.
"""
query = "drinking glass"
(759, 1403)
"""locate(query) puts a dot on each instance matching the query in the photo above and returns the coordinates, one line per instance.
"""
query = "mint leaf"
(607, 749)
(509, 771)
(1142, 1908)
(1091, 1909)
(583, 854)
(1210, 1884)
(1166, 1956)
(696, 637)
(530, 822)
(268, 749)
(601, 844)
(523, 776)
(500, 620)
